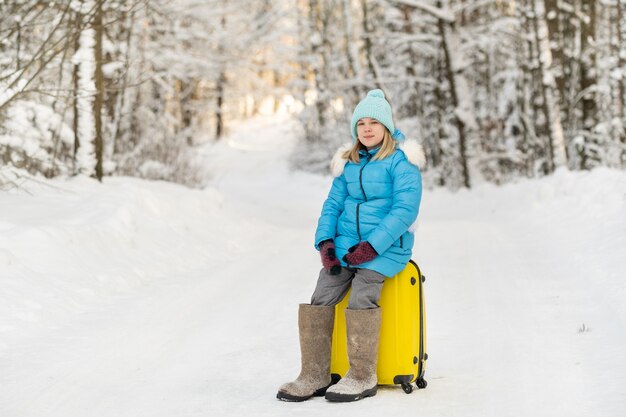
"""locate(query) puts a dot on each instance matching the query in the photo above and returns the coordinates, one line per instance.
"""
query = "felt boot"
(316, 330)
(363, 329)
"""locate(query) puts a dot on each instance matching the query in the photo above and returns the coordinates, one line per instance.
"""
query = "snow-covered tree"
(493, 89)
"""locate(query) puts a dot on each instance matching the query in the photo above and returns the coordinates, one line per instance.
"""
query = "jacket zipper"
(358, 206)
(361, 178)
(358, 228)
(401, 244)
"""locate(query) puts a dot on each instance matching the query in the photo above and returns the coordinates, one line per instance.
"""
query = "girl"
(364, 234)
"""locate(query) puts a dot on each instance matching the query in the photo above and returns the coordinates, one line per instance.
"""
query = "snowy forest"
(493, 89)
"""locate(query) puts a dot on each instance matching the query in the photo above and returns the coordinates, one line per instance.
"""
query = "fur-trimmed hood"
(413, 151)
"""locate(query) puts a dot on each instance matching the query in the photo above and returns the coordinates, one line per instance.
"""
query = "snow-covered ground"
(145, 299)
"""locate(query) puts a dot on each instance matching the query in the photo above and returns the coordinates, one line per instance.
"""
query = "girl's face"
(370, 132)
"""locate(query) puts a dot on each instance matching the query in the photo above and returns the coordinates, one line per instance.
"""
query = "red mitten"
(360, 253)
(329, 259)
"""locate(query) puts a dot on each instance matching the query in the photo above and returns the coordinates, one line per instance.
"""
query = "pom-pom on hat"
(376, 107)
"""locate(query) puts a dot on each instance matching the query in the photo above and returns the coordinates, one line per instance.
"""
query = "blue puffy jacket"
(375, 201)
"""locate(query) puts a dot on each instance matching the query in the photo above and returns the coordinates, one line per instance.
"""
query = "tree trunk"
(219, 114)
(412, 104)
(555, 35)
(87, 92)
(588, 63)
(316, 28)
(122, 93)
(455, 77)
(621, 92)
(352, 53)
(99, 93)
(621, 61)
(440, 101)
(75, 95)
(18, 46)
(525, 105)
(369, 52)
(556, 142)
(570, 30)
(221, 81)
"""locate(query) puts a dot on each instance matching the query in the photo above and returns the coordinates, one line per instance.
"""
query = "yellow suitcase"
(402, 350)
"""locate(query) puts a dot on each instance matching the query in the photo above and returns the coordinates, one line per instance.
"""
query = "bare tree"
(621, 62)
(556, 141)
(622, 79)
(464, 119)
(99, 84)
(220, 87)
(588, 63)
(555, 36)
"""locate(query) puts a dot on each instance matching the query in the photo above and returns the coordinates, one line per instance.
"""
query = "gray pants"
(366, 288)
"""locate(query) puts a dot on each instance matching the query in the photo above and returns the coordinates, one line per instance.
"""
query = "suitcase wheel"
(407, 387)
(421, 383)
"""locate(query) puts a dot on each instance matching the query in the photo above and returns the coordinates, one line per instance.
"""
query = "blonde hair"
(386, 149)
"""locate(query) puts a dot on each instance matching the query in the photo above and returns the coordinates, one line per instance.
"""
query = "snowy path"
(209, 327)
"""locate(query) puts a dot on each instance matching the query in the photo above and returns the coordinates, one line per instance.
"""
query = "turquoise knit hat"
(376, 107)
